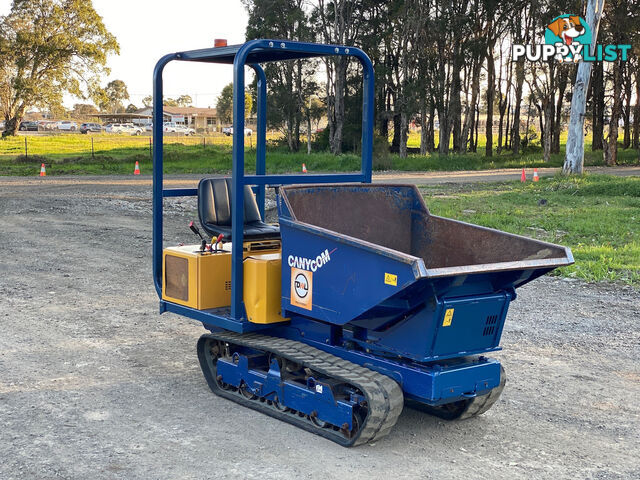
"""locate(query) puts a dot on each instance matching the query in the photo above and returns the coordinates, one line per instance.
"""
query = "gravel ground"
(95, 384)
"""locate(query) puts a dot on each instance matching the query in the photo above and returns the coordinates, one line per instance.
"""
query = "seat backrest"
(214, 202)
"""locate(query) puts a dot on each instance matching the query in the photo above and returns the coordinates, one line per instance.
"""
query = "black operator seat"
(214, 210)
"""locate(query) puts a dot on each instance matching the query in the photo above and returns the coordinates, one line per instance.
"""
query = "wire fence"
(69, 145)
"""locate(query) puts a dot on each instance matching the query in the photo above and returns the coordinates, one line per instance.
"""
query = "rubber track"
(384, 396)
(479, 405)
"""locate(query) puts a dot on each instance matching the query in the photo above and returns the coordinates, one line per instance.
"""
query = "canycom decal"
(301, 288)
(311, 264)
(568, 39)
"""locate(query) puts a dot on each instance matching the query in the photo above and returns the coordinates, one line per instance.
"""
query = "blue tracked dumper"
(356, 301)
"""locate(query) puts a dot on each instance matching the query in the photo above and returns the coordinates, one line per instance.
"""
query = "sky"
(148, 29)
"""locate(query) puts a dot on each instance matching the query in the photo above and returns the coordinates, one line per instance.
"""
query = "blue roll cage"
(251, 54)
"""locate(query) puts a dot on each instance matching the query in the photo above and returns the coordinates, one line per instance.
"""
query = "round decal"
(301, 285)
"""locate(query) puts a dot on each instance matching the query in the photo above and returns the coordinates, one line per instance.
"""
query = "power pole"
(574, 155)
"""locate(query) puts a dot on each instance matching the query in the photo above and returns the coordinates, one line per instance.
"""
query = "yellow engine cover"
(196, 280)
(203, 280)
(262, 288)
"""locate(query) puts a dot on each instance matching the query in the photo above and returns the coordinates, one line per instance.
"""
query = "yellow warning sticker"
(391, 279)
(448, 316)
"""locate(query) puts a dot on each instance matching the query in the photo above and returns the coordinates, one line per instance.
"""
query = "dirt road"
(418, 178)
(95, 384)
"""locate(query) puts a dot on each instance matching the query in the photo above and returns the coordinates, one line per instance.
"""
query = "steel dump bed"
(393, 223)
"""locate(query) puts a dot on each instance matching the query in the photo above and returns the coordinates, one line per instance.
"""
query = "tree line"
(442, 65)
(51, 47)
(446, 66)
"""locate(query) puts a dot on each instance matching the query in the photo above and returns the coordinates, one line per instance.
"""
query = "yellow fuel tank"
(262, 297)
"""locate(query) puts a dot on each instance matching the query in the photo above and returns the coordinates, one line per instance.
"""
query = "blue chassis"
(433, 383)
(315, 397)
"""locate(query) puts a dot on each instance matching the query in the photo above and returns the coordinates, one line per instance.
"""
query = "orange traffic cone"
(136, 171)
(304, 168)
(523, 177)
(43, 171)
(535, 175)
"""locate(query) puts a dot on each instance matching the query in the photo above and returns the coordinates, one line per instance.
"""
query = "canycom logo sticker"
(301, 288)
(311, 264)
(568, 39)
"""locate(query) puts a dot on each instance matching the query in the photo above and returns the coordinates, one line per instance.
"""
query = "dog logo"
(567, 30)
(568, 39)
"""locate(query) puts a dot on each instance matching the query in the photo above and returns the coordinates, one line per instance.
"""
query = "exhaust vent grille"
(490, 325)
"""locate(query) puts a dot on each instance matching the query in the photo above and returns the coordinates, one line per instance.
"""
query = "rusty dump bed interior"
(396, 217)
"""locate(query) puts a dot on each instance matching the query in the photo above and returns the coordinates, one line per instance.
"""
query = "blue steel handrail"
(260, 50)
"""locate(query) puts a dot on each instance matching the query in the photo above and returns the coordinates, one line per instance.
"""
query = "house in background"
(202, 120)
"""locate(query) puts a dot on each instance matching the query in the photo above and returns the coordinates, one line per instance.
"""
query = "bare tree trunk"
(636, 111)
(598, 107)
(515, 135)
(330, 102)
(627, 107)
(526, 127)
(341, 74)
(491, 80)
(502, 104)
(502, 109)
(290, 133)
(395, 142)
(12, 119)
(563, 80)
(455, 108)
(309, 128)
(403, 134)
(470, 113)
(574, 154)
(477, 122)
(443, 133)
(299, 106)
(507, 128)
(431, 138)
(548, 128)
(472, 129)
(11, 126)
(541, 122)
(423, 126)
(611, 157)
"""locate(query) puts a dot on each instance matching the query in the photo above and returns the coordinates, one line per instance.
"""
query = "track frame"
(373, 418)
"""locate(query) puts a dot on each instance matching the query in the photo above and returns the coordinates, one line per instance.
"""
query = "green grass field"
(115, 154)
(597, 216)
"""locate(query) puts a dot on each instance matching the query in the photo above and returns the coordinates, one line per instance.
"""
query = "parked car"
(129, 128)
(172, 127)
(46, 125)
(185, 130)
(148, 127)
(90, 127)
(229, 131)
(66, 125)
(28, 127)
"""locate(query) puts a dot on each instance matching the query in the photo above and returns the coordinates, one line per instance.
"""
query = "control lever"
(195, 230)
(218, 240)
